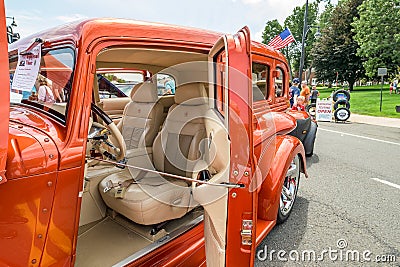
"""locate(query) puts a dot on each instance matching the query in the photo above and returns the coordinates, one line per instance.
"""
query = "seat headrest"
(192, 94)
(144, 92)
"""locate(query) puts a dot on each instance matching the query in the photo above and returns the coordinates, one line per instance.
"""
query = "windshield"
(47, 88)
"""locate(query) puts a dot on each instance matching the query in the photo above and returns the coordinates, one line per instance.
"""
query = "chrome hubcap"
(289, 188)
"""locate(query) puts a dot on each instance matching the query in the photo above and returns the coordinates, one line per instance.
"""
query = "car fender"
(268, 198)
(309, 141)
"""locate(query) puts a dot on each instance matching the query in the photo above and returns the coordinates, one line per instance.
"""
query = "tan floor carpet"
(106, 244)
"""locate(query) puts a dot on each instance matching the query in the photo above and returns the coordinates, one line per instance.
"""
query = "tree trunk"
(351, 84)
(308, 78)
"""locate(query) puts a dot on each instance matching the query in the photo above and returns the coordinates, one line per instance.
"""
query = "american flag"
(282, 39)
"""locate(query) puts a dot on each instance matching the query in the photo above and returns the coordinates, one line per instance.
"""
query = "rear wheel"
(289, 190)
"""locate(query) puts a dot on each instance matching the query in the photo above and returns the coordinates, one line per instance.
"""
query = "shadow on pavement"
(286, 236)
(311, 160)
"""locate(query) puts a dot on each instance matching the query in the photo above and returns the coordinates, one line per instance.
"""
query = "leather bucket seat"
(142, 117)
(149, 198)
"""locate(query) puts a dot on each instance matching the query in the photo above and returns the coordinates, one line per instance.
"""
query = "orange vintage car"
(193, 177)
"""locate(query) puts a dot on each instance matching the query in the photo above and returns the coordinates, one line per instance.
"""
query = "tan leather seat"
(141, 121)
(142, 117)
(152, 199)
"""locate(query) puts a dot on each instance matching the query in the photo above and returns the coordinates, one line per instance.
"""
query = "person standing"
(45, 93)
(294, 91)
(395, 86)
(305, 91)
(314, 95)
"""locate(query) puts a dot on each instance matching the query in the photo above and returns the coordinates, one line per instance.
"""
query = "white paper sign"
(27, 69)
(323, 111)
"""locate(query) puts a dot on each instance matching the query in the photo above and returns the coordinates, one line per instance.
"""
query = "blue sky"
(219, 15)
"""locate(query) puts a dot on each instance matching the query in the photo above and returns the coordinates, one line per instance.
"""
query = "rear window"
(120, 84)
(165, 84)
(117, 84)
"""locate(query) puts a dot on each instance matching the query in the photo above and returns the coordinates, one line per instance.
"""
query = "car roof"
(84, 32)
(100, 27)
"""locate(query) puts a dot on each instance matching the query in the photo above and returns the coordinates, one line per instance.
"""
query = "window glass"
(220, 77)
(117, 84)
(279, 86)
(165, 84)
(52, 89)
(260, 81)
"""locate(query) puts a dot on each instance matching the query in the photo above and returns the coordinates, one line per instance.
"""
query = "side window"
(279, 80)
(220, 76)
(165, 84)
(260, 81)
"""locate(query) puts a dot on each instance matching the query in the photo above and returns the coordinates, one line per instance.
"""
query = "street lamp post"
(303, 39)
(306, 29)
(11, 36)
(13, 23)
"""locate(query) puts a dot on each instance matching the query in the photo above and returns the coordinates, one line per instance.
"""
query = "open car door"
(228, 220)
(5, 94)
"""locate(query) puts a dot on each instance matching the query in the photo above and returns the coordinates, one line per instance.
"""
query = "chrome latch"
(247, 232)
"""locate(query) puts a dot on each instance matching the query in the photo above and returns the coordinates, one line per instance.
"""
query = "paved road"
(352, 195)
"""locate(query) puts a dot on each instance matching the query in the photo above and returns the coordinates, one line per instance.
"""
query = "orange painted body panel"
(29, 153)
(268, 198)
(63, 226)
(42, 194)
(239, 64)
(5, 94)
(187, 250)
(24, 218)
(272, 123)
(298, 115)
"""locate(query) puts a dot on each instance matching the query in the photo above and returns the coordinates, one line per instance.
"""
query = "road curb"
(381, 121)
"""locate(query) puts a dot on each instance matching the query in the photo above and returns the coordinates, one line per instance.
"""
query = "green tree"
(377, 31)
(326, 15)
(336, 50)
(112, 77)
(295, 23)
(272, 29)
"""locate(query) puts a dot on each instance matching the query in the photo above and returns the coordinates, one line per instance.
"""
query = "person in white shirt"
(45, 94)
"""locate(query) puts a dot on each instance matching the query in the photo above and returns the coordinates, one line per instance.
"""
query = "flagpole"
(290, 67)
(287, 56)
(303, 38)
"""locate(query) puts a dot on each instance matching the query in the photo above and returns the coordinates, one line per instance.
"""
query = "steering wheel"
(119, 149)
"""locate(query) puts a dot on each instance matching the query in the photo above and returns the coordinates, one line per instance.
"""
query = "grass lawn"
(365, 100)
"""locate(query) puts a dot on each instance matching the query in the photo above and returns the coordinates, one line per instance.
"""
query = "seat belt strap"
(121, 186)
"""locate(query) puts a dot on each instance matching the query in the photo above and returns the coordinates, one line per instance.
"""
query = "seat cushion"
(153, 199)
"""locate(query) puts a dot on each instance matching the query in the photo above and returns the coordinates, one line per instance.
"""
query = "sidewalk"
(381, 121)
